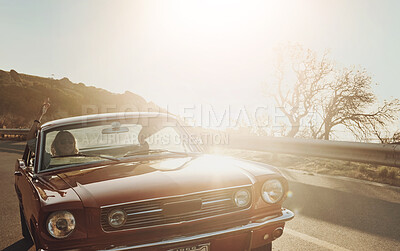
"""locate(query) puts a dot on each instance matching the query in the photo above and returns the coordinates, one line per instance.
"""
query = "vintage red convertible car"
(136, 181)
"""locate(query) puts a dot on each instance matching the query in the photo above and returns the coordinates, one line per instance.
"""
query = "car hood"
(142, 179)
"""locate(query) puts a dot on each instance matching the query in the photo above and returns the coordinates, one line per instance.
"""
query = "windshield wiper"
(89, 155)
(139, 152)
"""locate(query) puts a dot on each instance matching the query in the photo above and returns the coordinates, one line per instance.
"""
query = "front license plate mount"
(198, 247)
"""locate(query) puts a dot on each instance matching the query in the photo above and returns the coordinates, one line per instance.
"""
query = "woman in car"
(64, 143)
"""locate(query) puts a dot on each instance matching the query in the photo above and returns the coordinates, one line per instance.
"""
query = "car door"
(24, 177)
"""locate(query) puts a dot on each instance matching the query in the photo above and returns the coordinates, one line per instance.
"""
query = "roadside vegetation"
(313, 165)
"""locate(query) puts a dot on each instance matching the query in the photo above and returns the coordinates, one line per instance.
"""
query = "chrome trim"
(176, 223)
(173, 196)
(180, 222)
(38, 152)
(103, 117)
(286, 216)
(215, 201)
(146, 212)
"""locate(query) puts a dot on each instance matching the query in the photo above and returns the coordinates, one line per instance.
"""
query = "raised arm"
(32, 132)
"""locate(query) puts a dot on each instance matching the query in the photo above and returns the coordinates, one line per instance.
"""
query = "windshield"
(115, 140)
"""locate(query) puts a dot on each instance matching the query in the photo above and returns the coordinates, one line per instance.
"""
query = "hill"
(21, 97)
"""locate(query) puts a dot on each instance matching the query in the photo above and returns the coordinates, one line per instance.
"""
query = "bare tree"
(306, 83)
(296, 89)
(383, 129)
(348, 101)
(395, 139)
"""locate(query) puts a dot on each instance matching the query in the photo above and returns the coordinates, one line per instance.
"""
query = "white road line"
(314, 240)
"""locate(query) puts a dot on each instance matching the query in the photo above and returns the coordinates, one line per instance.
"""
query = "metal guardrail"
(13, 132)
(382, 154)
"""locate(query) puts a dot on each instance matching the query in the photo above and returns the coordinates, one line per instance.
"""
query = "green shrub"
(383, 171)
(362, 168)
(392, 174)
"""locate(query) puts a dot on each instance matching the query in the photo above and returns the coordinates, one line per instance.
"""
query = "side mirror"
(20, 164)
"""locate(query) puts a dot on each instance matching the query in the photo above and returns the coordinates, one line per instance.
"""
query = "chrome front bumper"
(270, 220)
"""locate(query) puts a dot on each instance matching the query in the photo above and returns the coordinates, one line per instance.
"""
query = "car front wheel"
(267, 247)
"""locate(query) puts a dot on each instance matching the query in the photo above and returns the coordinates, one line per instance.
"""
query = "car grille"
(153, 212)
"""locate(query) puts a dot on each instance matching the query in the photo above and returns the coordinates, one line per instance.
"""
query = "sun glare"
(195, 43)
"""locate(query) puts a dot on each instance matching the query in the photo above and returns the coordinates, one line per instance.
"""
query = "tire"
(24, 227)
(267, 247)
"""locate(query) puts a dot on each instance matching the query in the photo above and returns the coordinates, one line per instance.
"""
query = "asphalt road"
(331, 213)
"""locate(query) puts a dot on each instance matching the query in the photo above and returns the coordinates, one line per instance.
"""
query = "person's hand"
(44, 108)
(35, 126)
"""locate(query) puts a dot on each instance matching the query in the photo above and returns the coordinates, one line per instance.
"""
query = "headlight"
(272, 191)
(117, 218)
(60, 224)
(242, 198)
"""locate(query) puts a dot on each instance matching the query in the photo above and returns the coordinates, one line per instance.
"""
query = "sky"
(195, 52)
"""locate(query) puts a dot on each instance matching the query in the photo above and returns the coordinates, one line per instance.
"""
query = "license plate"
(200, 247)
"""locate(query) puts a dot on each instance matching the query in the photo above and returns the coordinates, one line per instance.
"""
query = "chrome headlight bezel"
(58, 219)
(272, 191)
(238, 198)
(115, 212)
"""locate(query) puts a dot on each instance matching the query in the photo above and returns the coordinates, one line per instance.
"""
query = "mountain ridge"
(21, 96)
